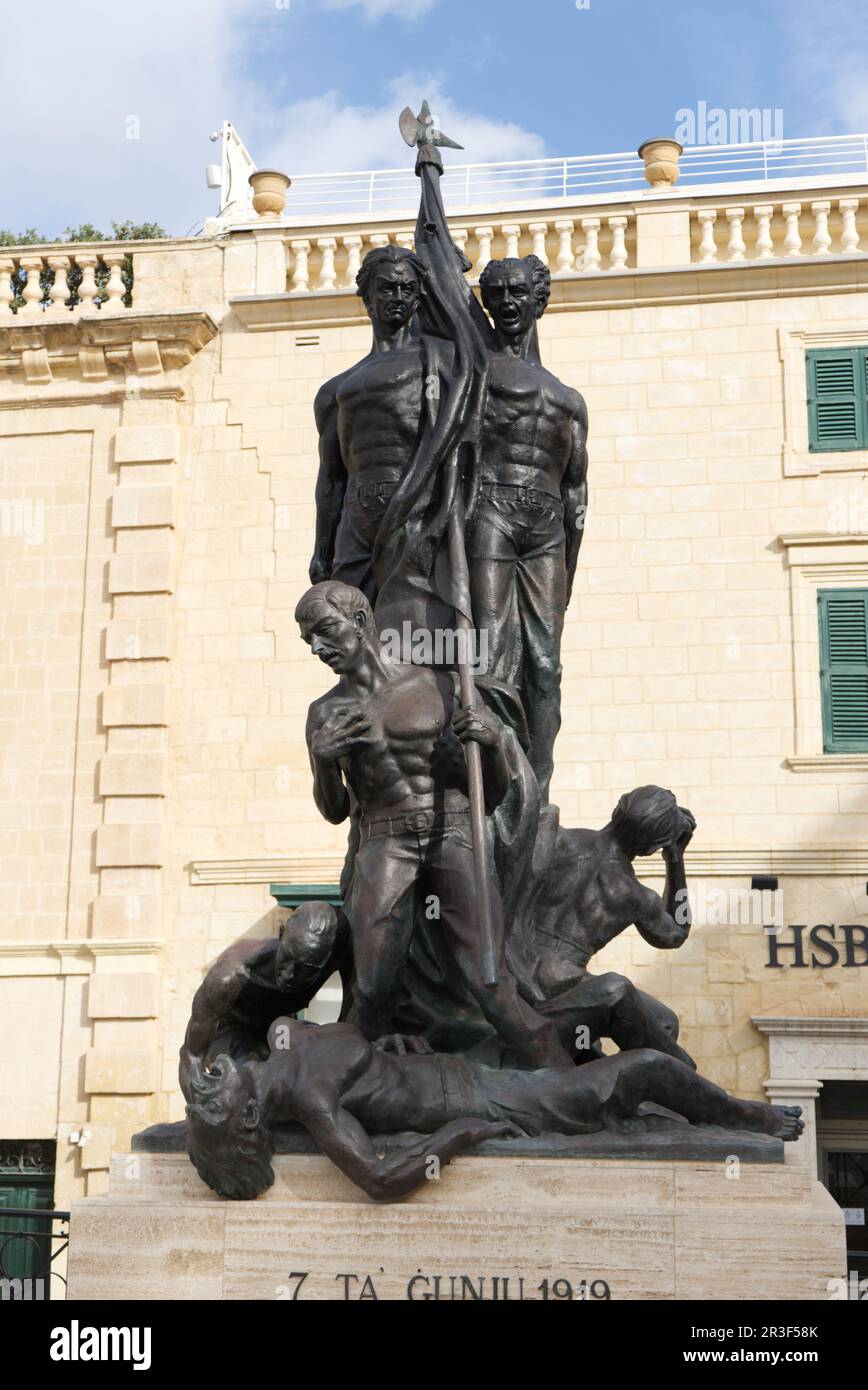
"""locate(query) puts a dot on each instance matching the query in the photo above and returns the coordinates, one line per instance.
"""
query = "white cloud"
(376, 9)
(326, 134)
(67, 155)
(179, 70)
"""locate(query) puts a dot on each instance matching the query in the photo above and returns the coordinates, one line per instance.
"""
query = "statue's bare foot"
(783, 1121)
(789, 1121)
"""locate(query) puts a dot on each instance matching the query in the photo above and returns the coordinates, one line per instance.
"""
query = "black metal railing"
(28, 1252)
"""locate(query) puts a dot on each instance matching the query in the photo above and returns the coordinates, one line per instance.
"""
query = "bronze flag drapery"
(419, 551)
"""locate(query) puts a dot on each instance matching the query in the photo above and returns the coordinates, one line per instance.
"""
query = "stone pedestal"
(495, 1228)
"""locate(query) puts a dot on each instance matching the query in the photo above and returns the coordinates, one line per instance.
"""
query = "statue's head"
(645, 820)
(307, 940)
(228, 1143)
(337, 622)
(515, 293)
(390, 282)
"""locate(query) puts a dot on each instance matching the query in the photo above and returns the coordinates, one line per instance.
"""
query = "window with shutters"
(844, 669)
(837, 399)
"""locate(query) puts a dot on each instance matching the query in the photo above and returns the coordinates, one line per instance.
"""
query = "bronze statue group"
(452, 493)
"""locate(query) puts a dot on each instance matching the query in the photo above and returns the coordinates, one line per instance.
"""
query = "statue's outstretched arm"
(344, 1141)
(211, 1010)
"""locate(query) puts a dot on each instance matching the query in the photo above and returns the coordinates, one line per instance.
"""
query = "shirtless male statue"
(589, 895)
(329, 1079)
(368, 422)
(524, 535)
(391, 736)
(256, 980)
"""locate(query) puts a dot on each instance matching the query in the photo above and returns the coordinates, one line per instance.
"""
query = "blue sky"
(316, 85)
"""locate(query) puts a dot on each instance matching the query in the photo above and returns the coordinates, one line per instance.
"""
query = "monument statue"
(524, 535)
(590, 895)
(391, 737)
(255, 981)
(451, 499)
(368, 422)
(329, 1079)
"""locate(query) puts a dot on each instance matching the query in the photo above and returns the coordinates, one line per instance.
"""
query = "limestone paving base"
(650, 1230)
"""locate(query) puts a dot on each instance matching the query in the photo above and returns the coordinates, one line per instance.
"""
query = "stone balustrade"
(594, 241)
(791, 226)
(55, 280)
(586, 243)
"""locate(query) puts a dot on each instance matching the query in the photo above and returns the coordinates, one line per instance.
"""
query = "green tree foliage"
(138, 231)
(29, 238)
(85, 232)
(67, 291)
(121, 231)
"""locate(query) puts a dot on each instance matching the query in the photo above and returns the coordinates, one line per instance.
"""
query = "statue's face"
(394, 294)
(301, 952)
(220, 1092)
(291, 974)
(510, 300)
(336, 640)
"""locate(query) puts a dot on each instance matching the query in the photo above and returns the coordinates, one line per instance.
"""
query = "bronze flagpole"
(418, 131)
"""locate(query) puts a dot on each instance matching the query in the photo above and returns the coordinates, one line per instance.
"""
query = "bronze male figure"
(524, 535)
(329, 1079)
(588, 896)
(368, 423)
(390, 738)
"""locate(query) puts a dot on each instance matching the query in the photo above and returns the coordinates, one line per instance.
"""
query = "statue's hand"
(320, 568)
(687, 827)
(681, 837)
(480, 1130)
(474, 723)
(340, 733)
(402, 1044)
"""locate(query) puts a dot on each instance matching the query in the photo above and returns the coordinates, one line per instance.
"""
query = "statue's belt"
(365, 491)
(522, 496)
(411, 823)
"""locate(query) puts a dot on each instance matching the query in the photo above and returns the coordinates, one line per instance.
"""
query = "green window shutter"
(844, 669)
(837, 398)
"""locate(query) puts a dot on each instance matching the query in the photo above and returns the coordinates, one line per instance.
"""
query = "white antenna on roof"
(231, 178)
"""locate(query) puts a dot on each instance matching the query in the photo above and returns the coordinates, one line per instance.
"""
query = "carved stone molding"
(71, 956)
(94, 347)
(803, 861)
(307, 868)
(803, 1053)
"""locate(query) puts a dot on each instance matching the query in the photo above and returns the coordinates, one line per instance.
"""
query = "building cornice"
(792, 1026)
(740, 862)
(94, 347)
(72, 956)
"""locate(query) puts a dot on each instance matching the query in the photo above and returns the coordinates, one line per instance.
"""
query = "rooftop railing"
(829, 158)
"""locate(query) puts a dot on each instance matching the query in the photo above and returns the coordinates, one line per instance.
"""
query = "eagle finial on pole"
(419, 132)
